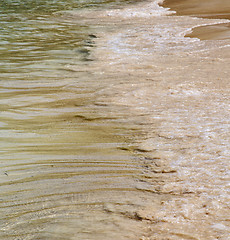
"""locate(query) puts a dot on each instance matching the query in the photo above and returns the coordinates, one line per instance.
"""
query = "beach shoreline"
(213, 10)
(176, 89)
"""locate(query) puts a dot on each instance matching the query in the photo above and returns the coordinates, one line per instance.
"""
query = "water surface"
(114, 125)
(62, 152)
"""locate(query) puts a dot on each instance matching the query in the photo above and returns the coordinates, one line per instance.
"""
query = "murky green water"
(61, 160)
(32, 38)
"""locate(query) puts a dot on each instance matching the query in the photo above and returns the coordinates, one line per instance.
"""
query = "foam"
(145, 10)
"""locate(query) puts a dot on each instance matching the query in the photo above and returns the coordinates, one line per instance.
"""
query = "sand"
(217, 9)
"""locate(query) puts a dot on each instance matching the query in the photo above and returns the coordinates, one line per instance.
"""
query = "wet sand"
(217, 9)
(197, 8)
(214, 32)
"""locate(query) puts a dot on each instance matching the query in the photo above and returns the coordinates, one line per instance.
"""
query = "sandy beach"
(205, 9)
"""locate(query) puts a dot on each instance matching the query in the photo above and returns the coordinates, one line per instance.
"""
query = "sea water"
(114, 125)
(62, 152)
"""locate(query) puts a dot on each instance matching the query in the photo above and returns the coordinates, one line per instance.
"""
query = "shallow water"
(119, 131)
(62, 158)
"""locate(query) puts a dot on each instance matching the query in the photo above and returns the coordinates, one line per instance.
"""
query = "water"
(114, 125)
(61, 151)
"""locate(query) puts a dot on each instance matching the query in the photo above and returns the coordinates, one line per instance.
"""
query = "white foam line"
(150, 9)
